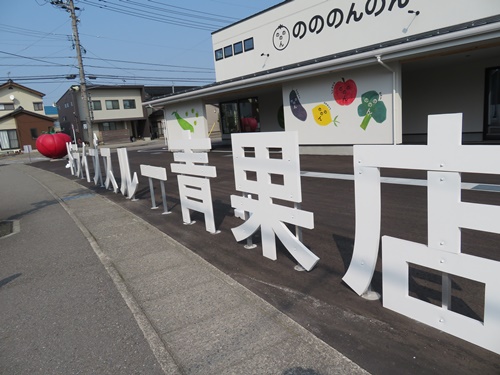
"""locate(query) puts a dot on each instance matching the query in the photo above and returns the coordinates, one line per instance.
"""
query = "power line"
(107, 67)
(182, 68)
(190, 12)
(148, 16)
(111, 77)
(152, 64)
(29, 58)
(33, 33)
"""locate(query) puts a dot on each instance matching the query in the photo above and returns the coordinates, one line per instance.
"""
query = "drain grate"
(9, 227)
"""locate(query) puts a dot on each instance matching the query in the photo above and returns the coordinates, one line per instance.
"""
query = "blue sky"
(151, 42)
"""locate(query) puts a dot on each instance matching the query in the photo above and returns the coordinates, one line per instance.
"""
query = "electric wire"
(137, 12)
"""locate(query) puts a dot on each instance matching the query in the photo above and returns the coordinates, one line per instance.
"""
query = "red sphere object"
(53, 145)
(249, 124)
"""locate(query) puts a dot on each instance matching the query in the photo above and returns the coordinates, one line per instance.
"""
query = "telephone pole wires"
(69, 6)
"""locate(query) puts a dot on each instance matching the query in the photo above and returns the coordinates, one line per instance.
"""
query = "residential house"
(22, 117)
(117, 114)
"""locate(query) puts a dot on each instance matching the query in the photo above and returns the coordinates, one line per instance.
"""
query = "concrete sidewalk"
(196, 319)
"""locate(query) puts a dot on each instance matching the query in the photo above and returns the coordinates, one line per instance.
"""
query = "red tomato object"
(53, 145)
(344, 92)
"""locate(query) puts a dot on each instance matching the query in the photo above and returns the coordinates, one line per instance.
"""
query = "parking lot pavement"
(375, 338)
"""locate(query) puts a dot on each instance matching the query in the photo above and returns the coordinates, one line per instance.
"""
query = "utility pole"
(69, 6)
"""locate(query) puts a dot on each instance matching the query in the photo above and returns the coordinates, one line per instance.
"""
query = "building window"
(240, 116)
(238, 48)
(228, 51)
(219, 55)
(34, 133)
(38, 106)
(8, 139)
(248, 44)
(235, 49)
(107, 126)
(96, 105)
(6, 106)
(128, 103)
(492, 104)
(112, 104)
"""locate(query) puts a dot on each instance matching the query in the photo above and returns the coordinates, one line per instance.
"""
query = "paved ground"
(375, 338)
(60, 312)
(84, 276)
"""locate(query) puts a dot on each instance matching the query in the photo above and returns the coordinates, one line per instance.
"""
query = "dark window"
(96, 105)
(34, 133)
(6, 106)
(492, 104)
(248, 44)
(128, 103)
(238, 48)
(108, 126)
(240, 116)
(228, 51)
(219, 55)
(112, 104)
(38, 106)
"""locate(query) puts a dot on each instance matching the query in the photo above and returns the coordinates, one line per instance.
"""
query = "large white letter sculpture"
(85, 164)
(110, 178)
(253, 173)
(128, 184)
(94, 154)
(194, 192)
(156, 173)
(444, 158)
(70, 147)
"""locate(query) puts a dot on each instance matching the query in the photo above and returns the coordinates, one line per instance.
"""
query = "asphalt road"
(60, 313)
(379, 340)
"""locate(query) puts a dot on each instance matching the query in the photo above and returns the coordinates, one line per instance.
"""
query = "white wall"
(116, 94)
(8, 124)
(187, 114)
(22, 98)
(314, 38)
(341, 124)
(449, 88)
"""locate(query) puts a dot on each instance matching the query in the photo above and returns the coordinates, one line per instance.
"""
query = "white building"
(350, 72)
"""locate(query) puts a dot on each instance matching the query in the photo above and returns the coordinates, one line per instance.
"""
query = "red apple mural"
(52, 145)
(344, 92)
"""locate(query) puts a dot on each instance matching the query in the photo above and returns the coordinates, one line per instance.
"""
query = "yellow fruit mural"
(323, 116)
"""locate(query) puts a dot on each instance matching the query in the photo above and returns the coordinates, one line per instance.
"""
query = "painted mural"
(185, 125)
(372, 107)
(352, 107)
(186, 116)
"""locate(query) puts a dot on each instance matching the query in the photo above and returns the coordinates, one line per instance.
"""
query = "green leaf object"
(371, 107)
(183, 123)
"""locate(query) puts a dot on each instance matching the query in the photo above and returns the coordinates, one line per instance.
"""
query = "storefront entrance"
(240, 116)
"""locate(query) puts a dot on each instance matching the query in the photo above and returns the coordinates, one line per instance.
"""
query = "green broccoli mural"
(371, 107)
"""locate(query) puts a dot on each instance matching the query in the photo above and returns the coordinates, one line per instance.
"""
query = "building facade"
(22, 117)
(354, 72)
(117, 114)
